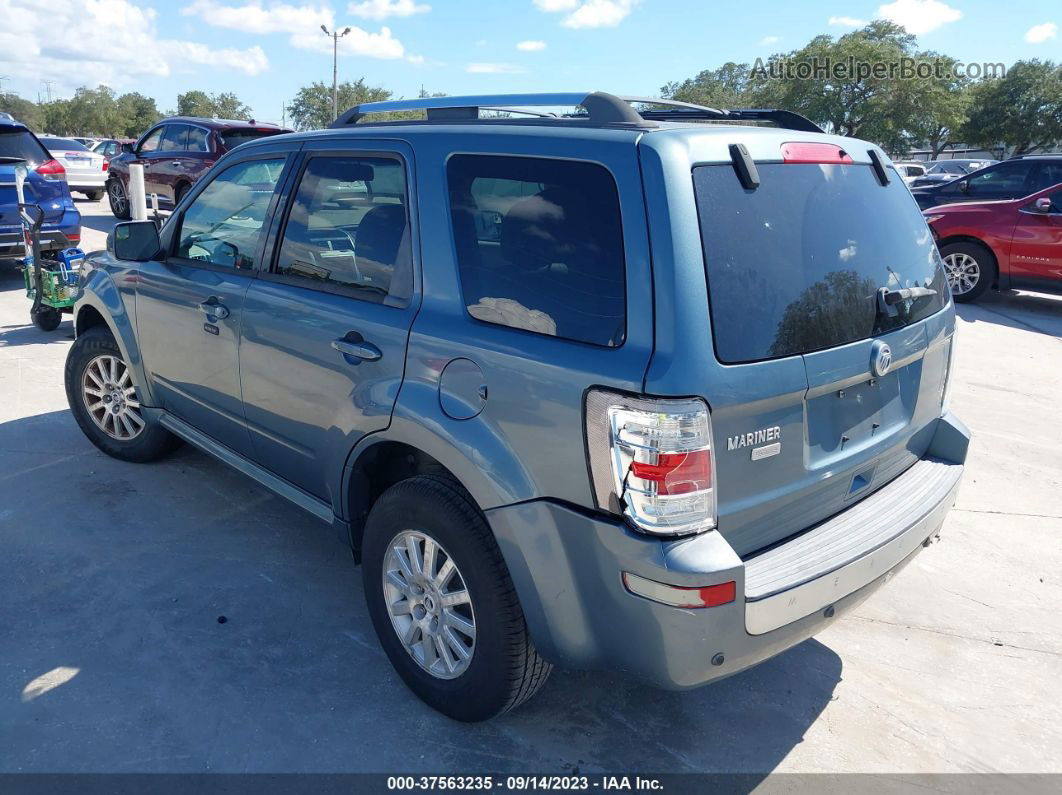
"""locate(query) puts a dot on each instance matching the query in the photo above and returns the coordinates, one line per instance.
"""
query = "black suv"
(1011, 179)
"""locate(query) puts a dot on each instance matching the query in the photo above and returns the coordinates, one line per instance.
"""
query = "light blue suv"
(647, 387)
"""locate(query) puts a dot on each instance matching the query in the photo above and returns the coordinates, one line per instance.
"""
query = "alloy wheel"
(963, 272)
(429, 604)
(117, 197)
(110, 397)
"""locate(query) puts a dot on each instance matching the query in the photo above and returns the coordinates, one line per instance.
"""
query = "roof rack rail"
(601, 109)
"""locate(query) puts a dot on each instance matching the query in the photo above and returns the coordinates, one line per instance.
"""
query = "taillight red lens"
(677, 473)
(51, 170)
(74, 238)
(106, 164)
(802, 152)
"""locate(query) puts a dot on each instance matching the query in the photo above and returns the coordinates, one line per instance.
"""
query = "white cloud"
(415, 59)
(1038, 34)
(252, 17)
(589, 13)
(55, 45)
(531, 46)
(552, 6)
(303, 23)
(382, 9)
(919, 16)
(493, 69)
(767, 41)
(847, 22)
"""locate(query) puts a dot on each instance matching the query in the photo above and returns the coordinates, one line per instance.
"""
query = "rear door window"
(539, 245)
(796, 265)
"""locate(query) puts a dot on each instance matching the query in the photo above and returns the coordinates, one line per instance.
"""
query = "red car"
(175, 153)
(1015, 244)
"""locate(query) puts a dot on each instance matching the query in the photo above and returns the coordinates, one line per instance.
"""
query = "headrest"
(546, 228)
(379, 235)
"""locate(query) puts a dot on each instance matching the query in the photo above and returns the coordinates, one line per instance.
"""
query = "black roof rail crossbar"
(601, 108)
(785, 119)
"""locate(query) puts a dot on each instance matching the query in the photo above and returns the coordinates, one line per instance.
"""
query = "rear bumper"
(568, 567)
(79, 182)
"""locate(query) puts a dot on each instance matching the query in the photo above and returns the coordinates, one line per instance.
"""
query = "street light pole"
(335, 69)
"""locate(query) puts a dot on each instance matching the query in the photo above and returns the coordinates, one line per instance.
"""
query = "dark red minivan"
(175, 153)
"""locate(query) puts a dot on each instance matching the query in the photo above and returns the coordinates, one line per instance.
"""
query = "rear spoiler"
(785, 119)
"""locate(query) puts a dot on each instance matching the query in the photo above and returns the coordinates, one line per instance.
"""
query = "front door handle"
(360, 350)
(212, 308)
(176, 163)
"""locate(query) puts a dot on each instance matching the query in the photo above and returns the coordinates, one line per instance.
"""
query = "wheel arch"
(101, 304)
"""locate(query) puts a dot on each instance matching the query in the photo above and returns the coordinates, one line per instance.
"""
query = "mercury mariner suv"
(645, 386)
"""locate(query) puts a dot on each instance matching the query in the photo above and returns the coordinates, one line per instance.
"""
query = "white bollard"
(137, 197)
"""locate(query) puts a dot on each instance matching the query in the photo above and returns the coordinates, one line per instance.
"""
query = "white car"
(86, 171)
(911, 170)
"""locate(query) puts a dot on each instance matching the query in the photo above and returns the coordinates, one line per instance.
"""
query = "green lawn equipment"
(52, 289)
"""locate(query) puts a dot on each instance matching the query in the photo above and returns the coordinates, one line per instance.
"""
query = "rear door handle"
(212, 308)
(176, 163)
(360, 350)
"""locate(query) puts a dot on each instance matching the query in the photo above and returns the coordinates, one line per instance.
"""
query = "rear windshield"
(796, 265)
(64, 144)
(235, 137)
(21, 144)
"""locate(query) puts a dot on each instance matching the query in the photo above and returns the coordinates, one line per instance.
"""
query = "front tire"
(970, 268)
(443, 604)
(105, 404)
(118, 199)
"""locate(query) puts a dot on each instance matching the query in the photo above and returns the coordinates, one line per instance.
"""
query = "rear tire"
(93, 387)
(95, 195)
(971, 269)
(46, 318)
(118, 199)
(502, 668)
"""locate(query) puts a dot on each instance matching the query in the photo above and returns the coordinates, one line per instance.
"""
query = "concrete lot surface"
(113, 576)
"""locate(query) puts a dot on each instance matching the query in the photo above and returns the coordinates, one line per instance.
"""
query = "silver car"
(85, 170)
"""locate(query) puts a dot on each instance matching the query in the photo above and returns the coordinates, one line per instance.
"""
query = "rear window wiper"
(891, 297)
(888, 299)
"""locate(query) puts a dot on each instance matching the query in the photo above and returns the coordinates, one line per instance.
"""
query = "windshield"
(797, 264)
(235, 137)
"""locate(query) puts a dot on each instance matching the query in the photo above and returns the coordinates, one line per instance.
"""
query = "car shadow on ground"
(1039, 312)
(100, 223)
(115, 577)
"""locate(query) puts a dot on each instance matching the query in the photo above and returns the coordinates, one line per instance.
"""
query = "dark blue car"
(45, 186)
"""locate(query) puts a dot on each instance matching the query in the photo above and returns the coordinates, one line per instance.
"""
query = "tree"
(1023, 110)
(312, 107)
(846, 102)
(222, 106)
(729, 86)
(136, 112)
(29, 113)
(57, 117)
(93, 111)
(937, 107)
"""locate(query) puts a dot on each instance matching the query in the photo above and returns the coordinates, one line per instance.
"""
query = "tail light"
(51, 170)
(651, 461)
(106, 164)
(74, 238)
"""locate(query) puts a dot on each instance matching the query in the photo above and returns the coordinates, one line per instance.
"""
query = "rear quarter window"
(539, 245)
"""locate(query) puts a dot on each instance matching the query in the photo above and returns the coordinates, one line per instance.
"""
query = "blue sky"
(264, 50)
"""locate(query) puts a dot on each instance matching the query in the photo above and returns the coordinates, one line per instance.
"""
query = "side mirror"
(1042, 205)
(127, 148)
(137, 241)
(964, 186)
